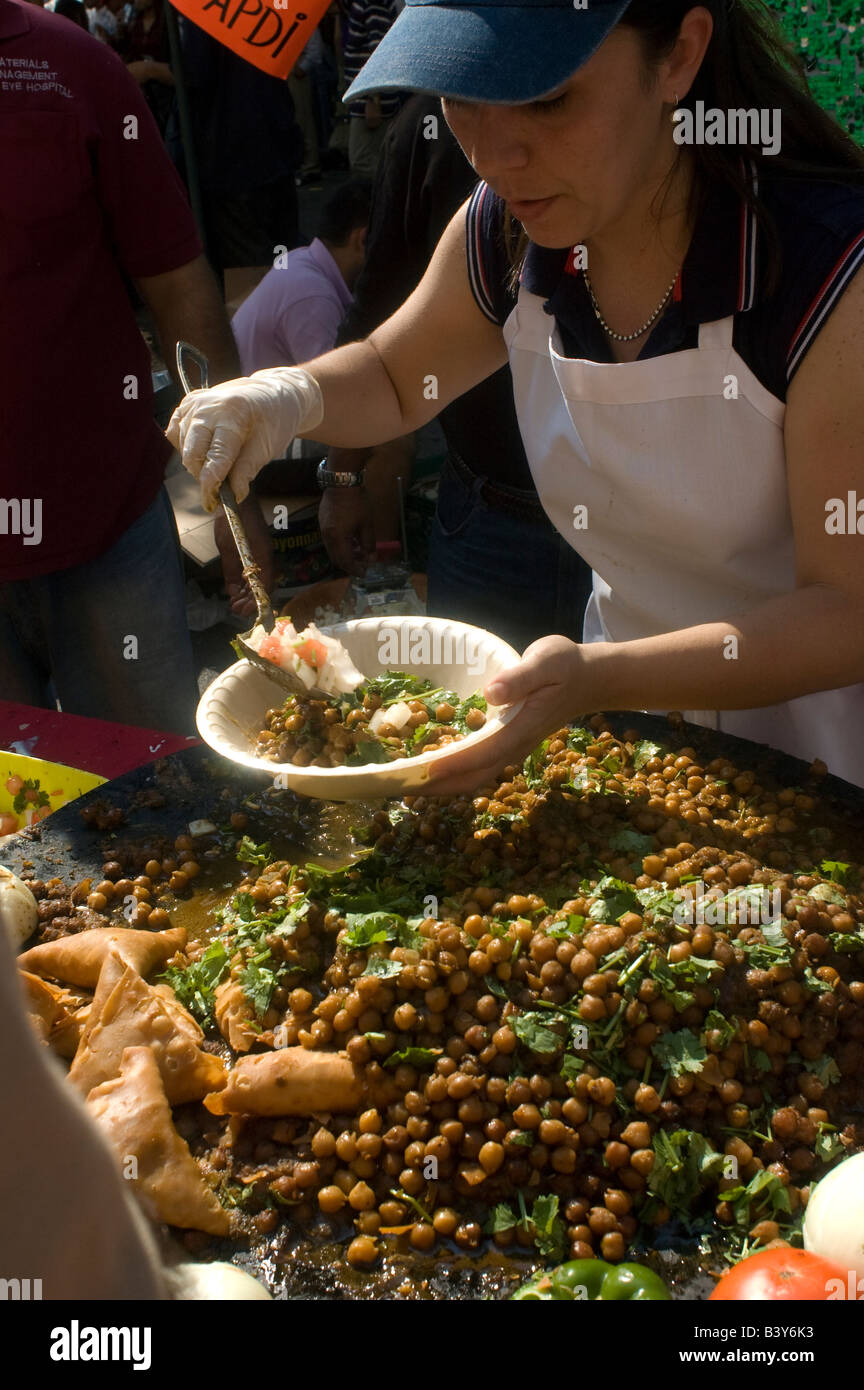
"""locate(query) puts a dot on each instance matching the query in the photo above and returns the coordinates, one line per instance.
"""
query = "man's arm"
(186, 304)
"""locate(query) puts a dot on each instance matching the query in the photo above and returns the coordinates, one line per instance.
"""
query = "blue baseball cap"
(502, 51)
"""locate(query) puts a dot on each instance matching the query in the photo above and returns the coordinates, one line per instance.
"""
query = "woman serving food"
(682, 308)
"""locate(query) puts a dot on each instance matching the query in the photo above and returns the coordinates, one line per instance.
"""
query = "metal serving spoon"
(265, 617)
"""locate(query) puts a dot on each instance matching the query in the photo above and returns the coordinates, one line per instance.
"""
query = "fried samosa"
(290, 1081)
(42, 1003)
(135, 1117)
(78, 959)
(57, 1014)
(127, 1012)
(234, 1016)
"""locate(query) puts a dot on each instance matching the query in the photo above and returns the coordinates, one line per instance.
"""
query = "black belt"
(516, 502)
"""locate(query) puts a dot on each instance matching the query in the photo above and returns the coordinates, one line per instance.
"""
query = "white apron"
(687, 504)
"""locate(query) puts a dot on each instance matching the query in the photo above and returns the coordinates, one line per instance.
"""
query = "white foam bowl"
(459, 657)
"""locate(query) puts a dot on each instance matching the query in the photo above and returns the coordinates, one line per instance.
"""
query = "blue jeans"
(110, 635)
(517, 578)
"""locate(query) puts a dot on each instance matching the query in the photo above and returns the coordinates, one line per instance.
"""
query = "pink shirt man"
(294, 313)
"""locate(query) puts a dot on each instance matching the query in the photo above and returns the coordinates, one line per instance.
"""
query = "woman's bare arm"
(437, 346)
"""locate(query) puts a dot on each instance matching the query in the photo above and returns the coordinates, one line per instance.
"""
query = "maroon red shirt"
(81, 202)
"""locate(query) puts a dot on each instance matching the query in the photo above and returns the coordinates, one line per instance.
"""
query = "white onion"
(17, 908)
(394, 716)
(338, 675)
(399, 714)
(216, 1281)
(307, 673)
(834, 1219)
(201, 827)
(379, 718)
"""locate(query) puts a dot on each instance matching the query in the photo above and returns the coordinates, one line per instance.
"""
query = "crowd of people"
(93, 615)
(260, 298)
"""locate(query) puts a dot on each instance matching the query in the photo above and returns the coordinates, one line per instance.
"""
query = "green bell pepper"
(594, 1279)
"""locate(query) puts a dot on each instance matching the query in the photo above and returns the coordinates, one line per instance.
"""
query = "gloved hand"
(231, 430)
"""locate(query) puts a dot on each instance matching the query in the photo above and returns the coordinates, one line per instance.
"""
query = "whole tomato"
(782, 1273)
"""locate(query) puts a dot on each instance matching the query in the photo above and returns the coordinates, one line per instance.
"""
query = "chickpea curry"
(619, 988)
(392, 716)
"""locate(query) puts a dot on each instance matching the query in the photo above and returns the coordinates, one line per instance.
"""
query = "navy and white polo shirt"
(820, 231)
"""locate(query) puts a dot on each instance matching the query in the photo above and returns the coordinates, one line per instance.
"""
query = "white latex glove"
(233, 429)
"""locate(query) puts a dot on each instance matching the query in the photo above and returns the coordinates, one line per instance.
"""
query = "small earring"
(674, 107)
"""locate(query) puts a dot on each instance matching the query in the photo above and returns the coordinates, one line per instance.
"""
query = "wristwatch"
(327, 477)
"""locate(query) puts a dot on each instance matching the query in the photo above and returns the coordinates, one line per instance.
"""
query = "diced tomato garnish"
(271, 648)
(314, 653)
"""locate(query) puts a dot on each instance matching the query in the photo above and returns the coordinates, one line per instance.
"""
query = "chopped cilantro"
(571, 1067)
(828, 1144)
(763, 955)
(258, 981)
(680, 1052)
(370, 750)
(684, 1162)
(835, 870)
(613, 897)
(568, 926)
(763, 1194)
(716, 1023)
(413, 1057)
(644, 751)
(523, 1138)
(373, 928)
(631, 842)
(501, 1218)
(548, 1229)
(383, 967)
(587, 779)
(660, 902)
(458, 722)
(195, 984)
(369, 929)
(250, 853)
(814, 984)
(825, 1068)
(845, 943)
(532, 768)
(532, 1029)
(402, 1196)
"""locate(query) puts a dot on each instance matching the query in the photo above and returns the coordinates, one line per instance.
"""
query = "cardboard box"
(301, 558)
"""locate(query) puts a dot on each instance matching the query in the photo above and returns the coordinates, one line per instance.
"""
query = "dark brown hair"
(748, 63)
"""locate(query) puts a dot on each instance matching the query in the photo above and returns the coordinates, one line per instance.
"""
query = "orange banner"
(269, 33)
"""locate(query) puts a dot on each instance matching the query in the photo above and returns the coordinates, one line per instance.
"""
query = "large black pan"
(197, 783)
(161, 798)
